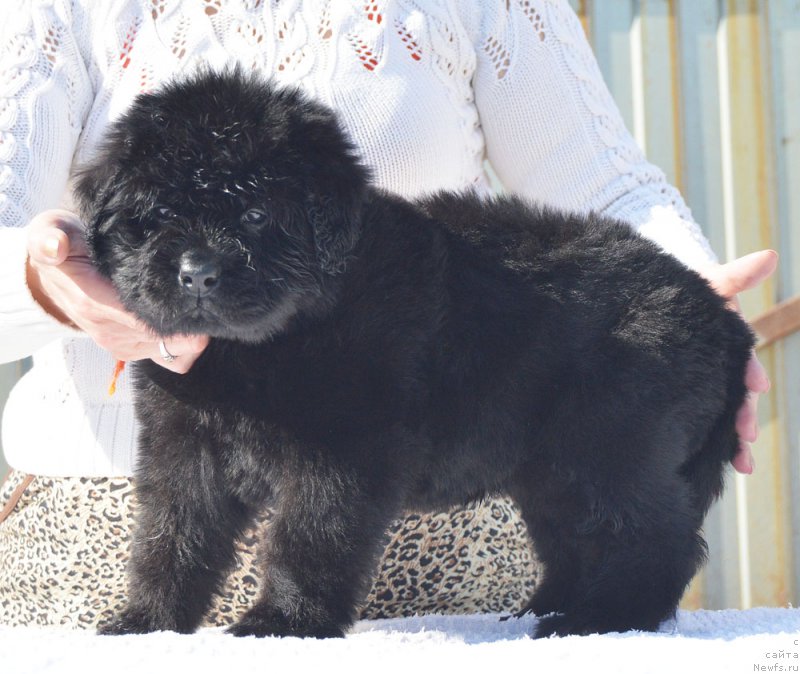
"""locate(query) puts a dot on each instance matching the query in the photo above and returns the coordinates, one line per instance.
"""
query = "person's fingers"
(184, 349)
(182, 364)
(728, 280)
(757, 382)
(742, 273)
(96, 303)
(747, 419)
(192, 344)
(55, 235)
(47, 243)
(82, 297)
(743, 462)
(755, 377)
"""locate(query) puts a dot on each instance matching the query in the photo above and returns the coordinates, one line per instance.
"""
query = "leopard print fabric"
(64, 546)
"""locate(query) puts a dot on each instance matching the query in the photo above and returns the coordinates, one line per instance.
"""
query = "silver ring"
(166, 355)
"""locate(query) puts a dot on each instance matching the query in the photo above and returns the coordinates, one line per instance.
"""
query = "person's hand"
(64, 282)
(728, 280)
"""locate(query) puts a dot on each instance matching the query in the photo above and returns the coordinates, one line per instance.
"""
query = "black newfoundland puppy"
(371, 355)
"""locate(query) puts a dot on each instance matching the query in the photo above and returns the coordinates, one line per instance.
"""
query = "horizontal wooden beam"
(776, 323)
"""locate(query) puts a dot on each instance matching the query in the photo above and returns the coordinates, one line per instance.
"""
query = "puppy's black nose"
(199, 274)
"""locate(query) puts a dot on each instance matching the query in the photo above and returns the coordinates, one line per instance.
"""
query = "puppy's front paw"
(134, 620)
(264, 621)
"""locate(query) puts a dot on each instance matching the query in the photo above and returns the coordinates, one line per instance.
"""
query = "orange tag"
(118, 368)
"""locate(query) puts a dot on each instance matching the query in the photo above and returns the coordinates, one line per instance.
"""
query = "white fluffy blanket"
(755, 640)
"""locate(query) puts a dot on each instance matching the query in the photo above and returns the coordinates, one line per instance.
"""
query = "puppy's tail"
(705, 470)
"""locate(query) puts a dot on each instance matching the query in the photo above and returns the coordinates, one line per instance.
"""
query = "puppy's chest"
(335, 389)
(267, 399)
(249, 451)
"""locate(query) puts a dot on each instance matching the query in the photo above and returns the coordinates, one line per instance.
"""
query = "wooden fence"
(711, 91)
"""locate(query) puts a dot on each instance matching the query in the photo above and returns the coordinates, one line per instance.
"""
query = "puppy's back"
(596, 286)
(520, 234)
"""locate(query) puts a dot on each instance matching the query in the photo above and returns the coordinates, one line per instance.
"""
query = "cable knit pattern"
(640, 183)
(39, 63)
(429, 90)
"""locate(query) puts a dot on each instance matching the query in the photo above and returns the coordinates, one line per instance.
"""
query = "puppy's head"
(223, 205)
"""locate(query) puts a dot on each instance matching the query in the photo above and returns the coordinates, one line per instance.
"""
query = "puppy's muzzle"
(199, 274)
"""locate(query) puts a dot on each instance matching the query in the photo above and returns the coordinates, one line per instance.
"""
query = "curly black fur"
(371, 355)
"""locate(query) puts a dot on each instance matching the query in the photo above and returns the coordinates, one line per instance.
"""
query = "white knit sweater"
(428, 89)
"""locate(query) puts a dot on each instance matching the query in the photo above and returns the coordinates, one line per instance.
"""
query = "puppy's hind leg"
(633, 565)
(183, 539)
(552, 525)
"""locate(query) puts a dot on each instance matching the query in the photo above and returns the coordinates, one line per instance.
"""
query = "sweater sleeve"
(45, 95)
(24, 325)
(554, 133)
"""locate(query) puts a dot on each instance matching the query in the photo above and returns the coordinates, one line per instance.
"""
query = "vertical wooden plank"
(611, 24)
(706, 112)
(784, 41)
(580, 7)
(585, 10)
(656, 87)
(749, 207)
(697, 24)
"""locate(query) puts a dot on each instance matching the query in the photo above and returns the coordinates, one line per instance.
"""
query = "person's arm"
(46, 95)
(25, 326)
(554, 133)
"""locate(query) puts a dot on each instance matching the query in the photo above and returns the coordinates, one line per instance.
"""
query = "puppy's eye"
(253, 216)
(164, 213)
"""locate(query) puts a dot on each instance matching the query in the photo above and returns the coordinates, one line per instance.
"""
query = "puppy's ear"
(93, 187)
(90, 187)
(336, 224)
(337, 181)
